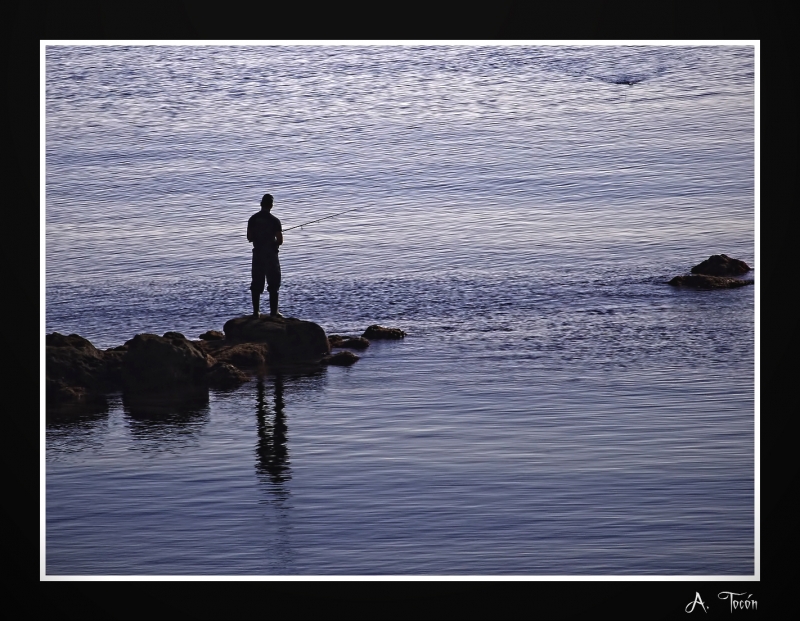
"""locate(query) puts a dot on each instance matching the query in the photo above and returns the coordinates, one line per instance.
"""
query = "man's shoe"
(276, 314)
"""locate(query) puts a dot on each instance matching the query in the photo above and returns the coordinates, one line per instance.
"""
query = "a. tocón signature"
(738, 601)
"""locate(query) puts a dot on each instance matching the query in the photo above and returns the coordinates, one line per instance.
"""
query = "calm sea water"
(556, 408)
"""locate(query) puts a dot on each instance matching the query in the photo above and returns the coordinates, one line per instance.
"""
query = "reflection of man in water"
(265, 232)
(271, 449)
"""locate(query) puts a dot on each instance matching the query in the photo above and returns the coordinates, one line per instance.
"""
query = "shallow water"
(555, 409)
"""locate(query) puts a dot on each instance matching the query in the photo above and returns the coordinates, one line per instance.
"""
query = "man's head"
(266, 202)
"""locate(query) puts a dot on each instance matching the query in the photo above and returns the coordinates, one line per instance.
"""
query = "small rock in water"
(342, 358)
(355, 342)
(350, 342)
(336, 340)
(379, 332)
(721, 265)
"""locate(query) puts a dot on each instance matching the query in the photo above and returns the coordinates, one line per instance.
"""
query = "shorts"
(266, 266)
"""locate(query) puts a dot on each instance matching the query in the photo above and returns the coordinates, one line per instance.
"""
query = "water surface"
(555, 409)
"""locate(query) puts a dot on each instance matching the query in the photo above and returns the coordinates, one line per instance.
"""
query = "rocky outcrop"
(379, 332)
(288, 340)
(77, 372)
(152, 369)
(721, 265)
(700, 281)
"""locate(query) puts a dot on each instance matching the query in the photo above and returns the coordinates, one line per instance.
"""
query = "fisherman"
(265, 233)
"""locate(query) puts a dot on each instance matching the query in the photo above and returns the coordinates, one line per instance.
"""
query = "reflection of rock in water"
(163, 415)
(77, 413)
(272, 455)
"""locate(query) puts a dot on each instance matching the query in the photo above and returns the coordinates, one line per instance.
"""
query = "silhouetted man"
(265, 232)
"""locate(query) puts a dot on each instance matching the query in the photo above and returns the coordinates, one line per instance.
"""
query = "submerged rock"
(700, 281)
(721, 265)
(379, 332)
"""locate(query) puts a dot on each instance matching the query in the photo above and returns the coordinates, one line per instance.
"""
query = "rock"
(357, 342)
(336, 340)
(379, 332)
(350, 342)
(151, 368)
(242, 355)
(342, 358)
(65, 402)
(225, 375)
(700, 281)
(288, 340)
(58, 391)
(212, 335)
(75, 369)
(113, 361)
(158, 363)
(721, 265)
(174, 335)
(73, 341)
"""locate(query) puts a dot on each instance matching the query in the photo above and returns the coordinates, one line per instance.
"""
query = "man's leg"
(257, 282)
(273, 284)
(256, 300)
(273, 304)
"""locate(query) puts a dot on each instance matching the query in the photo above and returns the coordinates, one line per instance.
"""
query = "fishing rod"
(325, 218)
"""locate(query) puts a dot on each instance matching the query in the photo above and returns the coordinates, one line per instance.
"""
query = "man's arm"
(279, 238)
